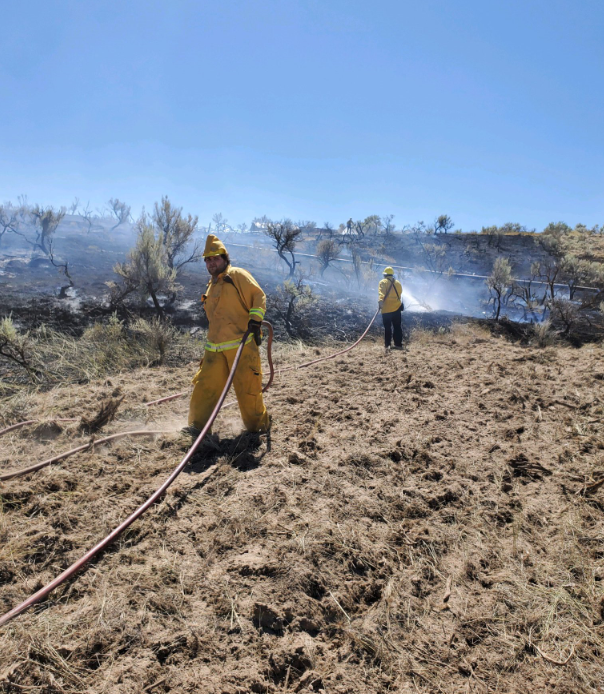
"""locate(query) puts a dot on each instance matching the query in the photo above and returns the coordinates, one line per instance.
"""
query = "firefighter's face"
(215, 265)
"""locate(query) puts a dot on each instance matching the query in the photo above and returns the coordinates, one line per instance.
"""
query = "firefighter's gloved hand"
(380, 303)
(256, 329)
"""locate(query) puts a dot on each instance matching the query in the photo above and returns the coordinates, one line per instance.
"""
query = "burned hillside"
(547, 277)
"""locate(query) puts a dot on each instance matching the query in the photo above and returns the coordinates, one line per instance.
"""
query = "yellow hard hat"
(389, 271)
(214, 246)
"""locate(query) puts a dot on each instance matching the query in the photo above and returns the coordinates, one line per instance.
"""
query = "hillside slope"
(413, 523)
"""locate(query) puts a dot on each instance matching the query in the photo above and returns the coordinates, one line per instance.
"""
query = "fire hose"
(11, 474)
(114, 534)
(34, 421)
(289, 368)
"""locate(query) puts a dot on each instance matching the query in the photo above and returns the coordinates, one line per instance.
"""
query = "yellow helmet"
(388, 271)
(214, 246)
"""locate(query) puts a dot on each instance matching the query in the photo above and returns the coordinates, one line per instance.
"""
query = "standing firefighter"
(391, 303)
(233, 303)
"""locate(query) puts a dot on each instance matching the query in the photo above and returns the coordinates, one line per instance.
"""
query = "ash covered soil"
(415, 522)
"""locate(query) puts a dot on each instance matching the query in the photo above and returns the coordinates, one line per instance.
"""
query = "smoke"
(422, 291)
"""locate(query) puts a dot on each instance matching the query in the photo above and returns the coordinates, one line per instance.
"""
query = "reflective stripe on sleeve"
(257, 313)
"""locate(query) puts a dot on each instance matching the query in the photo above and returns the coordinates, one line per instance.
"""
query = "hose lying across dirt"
(11, 474)
(76, 566)
(114, 534)
(270, 361)
(34, 421)
(335, 354)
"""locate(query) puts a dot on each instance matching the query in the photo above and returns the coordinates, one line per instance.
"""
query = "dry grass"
(103, 350)
(385, 538)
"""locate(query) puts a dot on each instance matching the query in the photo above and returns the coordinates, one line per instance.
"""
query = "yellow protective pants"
(211, 378)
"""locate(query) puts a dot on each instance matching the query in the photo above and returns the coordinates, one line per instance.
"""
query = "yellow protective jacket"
(230, 302)
(394, 300)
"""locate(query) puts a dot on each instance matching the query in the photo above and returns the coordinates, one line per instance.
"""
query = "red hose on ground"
(335, 354)
(289, 368)
(343, 351)
(269, 355)
(170, 397)
(34, 421)
(11, 474)
(76, 566)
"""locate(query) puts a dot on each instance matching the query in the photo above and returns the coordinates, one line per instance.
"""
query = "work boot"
(268, 426)
(398, 347)
(193, 432)
(210, 440)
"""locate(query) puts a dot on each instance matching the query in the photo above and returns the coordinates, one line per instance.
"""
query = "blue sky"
(487, 111)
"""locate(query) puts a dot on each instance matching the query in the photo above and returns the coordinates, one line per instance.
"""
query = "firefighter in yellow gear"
(233, 302)
(390, 301)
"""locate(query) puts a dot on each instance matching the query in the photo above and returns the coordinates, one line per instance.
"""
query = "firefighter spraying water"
(390, 292)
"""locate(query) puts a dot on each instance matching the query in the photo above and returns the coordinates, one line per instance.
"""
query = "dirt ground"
(423, 521)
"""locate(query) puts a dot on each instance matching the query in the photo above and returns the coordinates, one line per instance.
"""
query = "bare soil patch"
(427, 521)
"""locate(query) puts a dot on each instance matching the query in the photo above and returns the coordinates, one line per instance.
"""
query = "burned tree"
(45, 220)
(162, 250)
(9, 221)
(290, 302)
(549, 271)
(87, 215)
(63, 268)
(221, 224)
(327, 252)
(306, 224)
(120, 211)
(18, 349)
(574, 271)
(326, 230)
(260, 223)
(420, 231)
(495, 235)
(499, 283)
(284, 235)
(443, 224)
(435, 257)
(357, 264)
(523, 294)
(564, 311)
(371, 224)
(554, 241)
(176, 233)
(388, 225)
